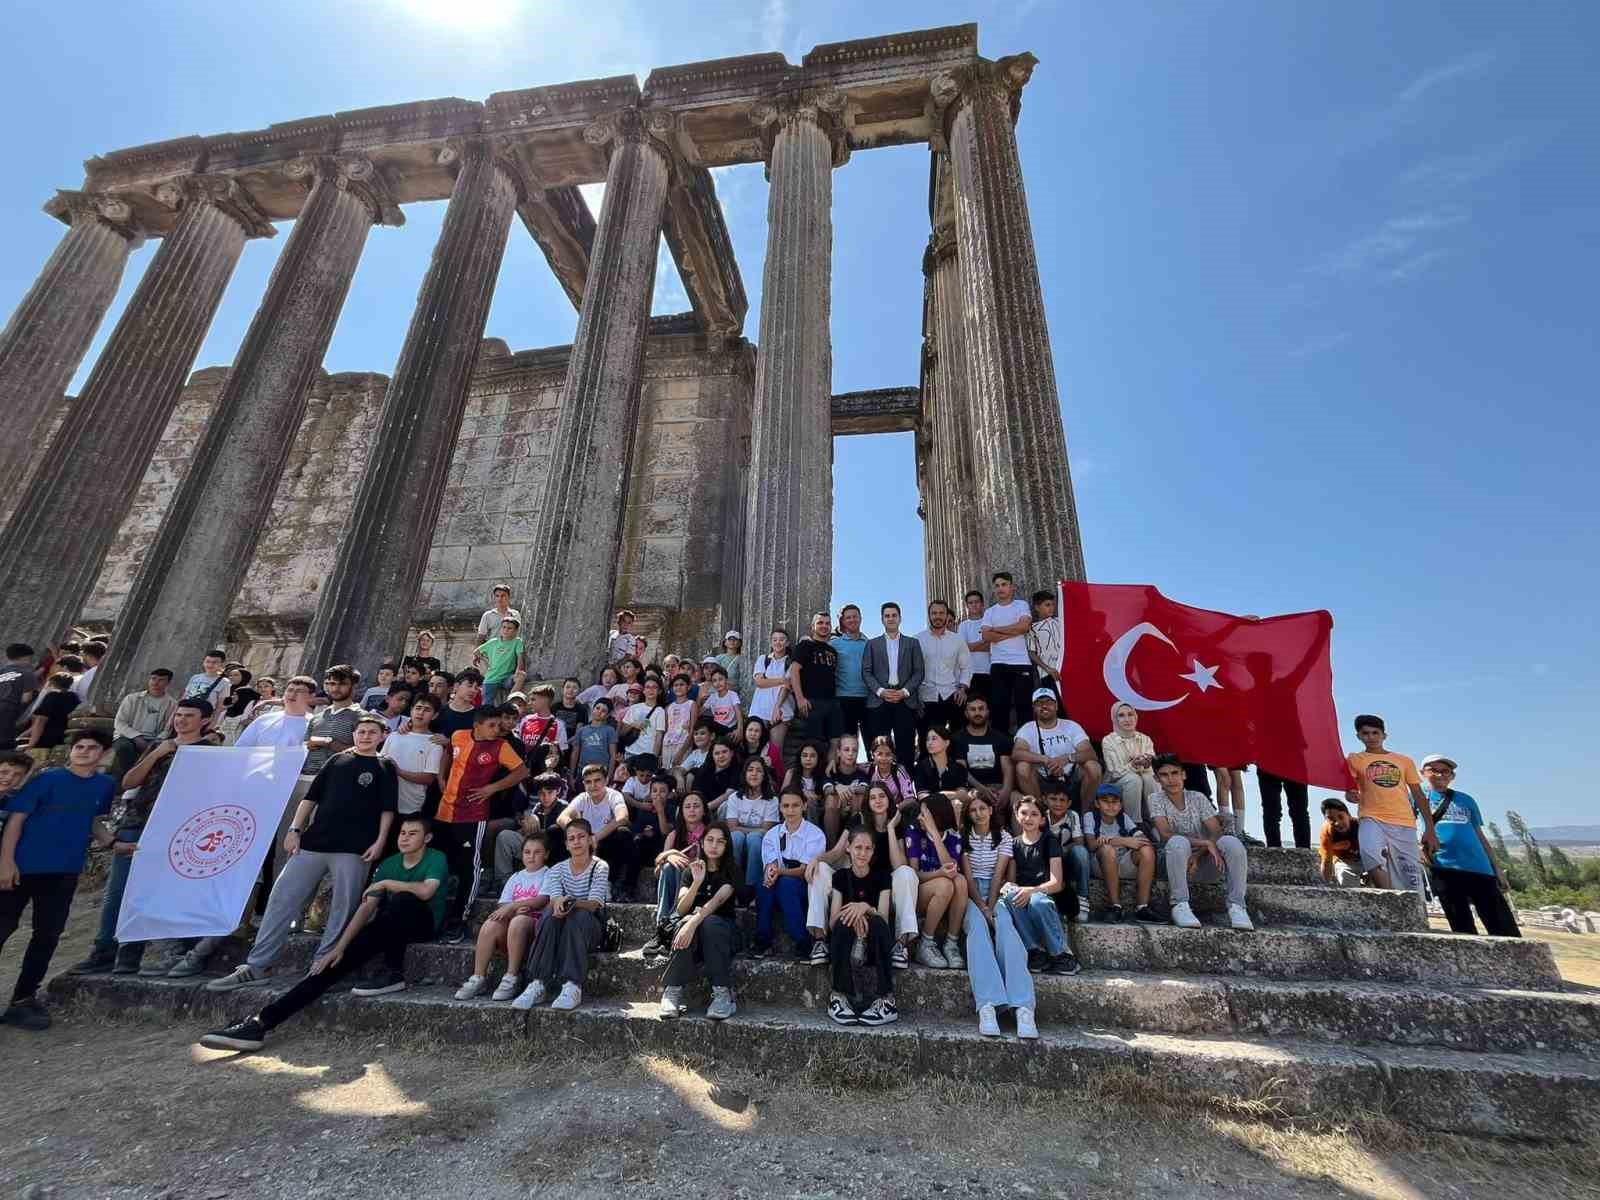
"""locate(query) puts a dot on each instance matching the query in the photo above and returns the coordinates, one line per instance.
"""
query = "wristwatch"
(295, 829)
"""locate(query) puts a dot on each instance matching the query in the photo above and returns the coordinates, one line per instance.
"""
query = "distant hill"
(1567, 835)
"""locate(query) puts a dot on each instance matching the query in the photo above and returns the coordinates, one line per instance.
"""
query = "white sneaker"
(1183, 916)
(1025, 1025)
(470, 988)
(532, 995)
(1238, 917)
(899, 958)
(671, 1003)
(988, 1023)
(819, 953)
(510, 985)
(952, 955)
(928, 955)
(571, 996)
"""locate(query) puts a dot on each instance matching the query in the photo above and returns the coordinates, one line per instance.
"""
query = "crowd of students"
(965, 838)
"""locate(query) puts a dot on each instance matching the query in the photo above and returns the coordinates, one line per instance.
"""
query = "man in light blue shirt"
(851, 646)
(1464, 874)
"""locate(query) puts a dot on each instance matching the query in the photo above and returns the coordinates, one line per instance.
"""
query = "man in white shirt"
(489, 623)
(1005, 628)
(971, 631)
(1055, 755)
(285, 727)
(607, 814)
(93, 652)
(893, 671)
(946, 671)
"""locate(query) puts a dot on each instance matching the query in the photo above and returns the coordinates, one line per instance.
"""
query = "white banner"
(205, 842)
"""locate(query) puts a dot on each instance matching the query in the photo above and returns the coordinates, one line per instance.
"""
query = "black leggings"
(51, 896)
(400, 920)
(880, 946)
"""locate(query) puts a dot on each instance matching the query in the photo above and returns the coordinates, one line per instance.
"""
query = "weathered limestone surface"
(50, 331)
(876, 410)
(789, 522)
(193, 568)
(1022, 484)
(63, 525)
(946, 435)
(573, 567)
(366, 605)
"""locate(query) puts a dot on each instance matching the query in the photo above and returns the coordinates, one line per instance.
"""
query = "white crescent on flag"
(1115, 669)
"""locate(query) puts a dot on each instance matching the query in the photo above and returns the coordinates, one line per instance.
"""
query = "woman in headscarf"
(1128, 755)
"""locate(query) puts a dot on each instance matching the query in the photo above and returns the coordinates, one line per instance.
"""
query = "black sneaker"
(29, 1014)
(657, 947)
(1146, 916)
(241, 1035)
(1113, 914)
(1063, 964)
(380, 985)
(1037, 960)
(455, 932)
(759, 950)
(99, 962)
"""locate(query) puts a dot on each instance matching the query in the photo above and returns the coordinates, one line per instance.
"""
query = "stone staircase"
(1338, 1007)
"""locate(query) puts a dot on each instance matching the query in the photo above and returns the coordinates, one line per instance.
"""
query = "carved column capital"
(653, 127)
(941, 248)
(222, 192)
(1001, 78)
(823, 107)
(113, 211)
(353, 173)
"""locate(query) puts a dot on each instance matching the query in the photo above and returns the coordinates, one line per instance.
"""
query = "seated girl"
(755, 741)
(997, 961)
(510, 928)
(704, 934)
(806, 778)
(844, 789)
(886, 769)
(933, 851)
(1036, 878)
(937, 771)
(681, 849)
(881, 820)
(858, 915)
(578, 889)
(786, 851)
(749, 813)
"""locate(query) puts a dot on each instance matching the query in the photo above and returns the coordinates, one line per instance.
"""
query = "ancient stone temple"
(666, 464)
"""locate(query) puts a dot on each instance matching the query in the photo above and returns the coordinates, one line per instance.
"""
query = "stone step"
(1269, 904)
(1533, 1095)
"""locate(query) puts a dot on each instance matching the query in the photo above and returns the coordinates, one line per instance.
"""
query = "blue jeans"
(997, 963)
(105, 938)
(747, 853)
(668, 881)
(1039, 924)
(1077, 866)
(789, 896)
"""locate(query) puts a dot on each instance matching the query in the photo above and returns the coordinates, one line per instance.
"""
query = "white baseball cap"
(1045, 694)
(733, 633)
(1440, 758)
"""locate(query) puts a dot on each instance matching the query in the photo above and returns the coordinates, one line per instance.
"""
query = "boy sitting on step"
(403, 904)
(1120, 851)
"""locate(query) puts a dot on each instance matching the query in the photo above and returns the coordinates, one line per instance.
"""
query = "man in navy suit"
(893, 670)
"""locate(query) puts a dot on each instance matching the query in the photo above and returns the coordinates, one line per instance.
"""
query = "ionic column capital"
(823, 107)
(71, 207)
(222, 192)
(353, 173)
(1000, 79)
(454, 153)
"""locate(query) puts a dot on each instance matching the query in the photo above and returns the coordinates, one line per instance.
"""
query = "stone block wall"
(683, 529)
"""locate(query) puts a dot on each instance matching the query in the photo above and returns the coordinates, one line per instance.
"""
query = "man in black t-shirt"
(570, 711)
(339, 829)
(813, 672)
(47, 728)
(987, 754)
(18, 682)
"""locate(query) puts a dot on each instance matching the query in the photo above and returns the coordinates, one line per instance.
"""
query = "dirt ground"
(138, 1110)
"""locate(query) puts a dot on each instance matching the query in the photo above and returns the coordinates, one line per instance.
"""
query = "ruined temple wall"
(684, 499)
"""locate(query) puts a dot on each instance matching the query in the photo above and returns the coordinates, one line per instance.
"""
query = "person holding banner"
(405, 904)
(42, 850)
(147, 775)
(339, 829)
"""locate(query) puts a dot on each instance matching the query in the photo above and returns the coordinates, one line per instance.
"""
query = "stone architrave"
(572, 568)
(789, 514)
(51, 329)
(64, 522)
(366, 603)
(953, 520)
(194, 568)
(1022, 488)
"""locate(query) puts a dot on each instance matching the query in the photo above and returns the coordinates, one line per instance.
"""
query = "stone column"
(193, 570)
(1021, 482)
(789, 513)
(50, 332)
(366, 604)
(572, 568)
(954, 519)
(64, 522)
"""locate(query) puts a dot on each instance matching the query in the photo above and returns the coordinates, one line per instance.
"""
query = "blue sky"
(1319, 278)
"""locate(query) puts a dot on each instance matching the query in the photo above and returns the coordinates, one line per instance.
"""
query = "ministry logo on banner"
(206, 839)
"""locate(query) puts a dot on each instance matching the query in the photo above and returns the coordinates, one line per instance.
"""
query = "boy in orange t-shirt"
(481, 763)
(1388, 791)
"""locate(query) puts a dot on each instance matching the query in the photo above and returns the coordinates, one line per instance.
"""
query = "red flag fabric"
(1209, 687)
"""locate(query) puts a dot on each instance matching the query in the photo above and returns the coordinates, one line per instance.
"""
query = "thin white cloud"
(1398, 240)
(1448, 172)
(1467, 65)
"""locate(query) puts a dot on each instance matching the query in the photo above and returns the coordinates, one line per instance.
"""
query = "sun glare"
(464, 14)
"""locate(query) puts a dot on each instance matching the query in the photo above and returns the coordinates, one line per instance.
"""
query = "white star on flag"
(1203, 677)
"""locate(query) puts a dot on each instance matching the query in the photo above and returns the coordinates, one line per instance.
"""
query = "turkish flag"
(1209, 687)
